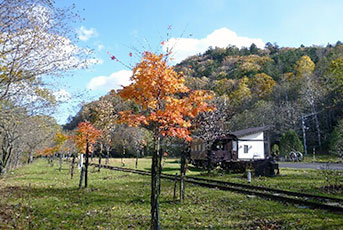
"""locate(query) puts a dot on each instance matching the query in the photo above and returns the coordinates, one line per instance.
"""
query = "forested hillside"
(296, 89)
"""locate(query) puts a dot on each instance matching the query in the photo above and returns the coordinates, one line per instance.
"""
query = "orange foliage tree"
(86, 136)
(167, 108)
(49, 152)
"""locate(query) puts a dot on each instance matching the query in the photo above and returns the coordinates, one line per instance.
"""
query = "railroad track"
(303, 199)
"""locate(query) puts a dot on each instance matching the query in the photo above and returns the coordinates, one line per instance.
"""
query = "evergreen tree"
(290, 142)
(336, 139)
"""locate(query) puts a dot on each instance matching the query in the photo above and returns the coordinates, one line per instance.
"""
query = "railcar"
(236, 151)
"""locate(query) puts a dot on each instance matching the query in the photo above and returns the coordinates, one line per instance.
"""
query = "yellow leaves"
(305, 66)
(60, 138)
(242, 93)
(251, 63)
(262, 85)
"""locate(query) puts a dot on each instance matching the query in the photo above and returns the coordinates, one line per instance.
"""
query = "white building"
(253, 143)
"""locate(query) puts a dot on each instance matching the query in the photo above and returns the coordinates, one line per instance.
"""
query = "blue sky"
(121, 26)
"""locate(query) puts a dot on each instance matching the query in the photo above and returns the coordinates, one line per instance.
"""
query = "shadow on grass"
(168, 169)
(195, 169)
(72, 195)
(173, 162)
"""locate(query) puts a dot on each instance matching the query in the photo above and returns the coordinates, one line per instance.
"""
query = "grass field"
(302, 180)
(38, 196)
(322, 158)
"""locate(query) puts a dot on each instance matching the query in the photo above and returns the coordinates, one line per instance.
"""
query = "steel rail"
(270, 193)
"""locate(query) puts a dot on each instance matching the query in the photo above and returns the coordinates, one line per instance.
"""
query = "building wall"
(255, 149)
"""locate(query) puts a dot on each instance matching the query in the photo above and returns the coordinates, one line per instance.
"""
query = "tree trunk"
(86, 164)
(30, 159)
(156, 185)
(60, 168)
(108, 155)
(2, 169)
(122, 156)
(182, 176)
(81, 176)
(99, 163)
(137, 158)
(100, 155)
(72, 167)
(209, 161)
(52, 161)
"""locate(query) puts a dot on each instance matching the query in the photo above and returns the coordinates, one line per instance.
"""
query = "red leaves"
(157, 87)
(86, 132)
(130, 54)
(113, 57)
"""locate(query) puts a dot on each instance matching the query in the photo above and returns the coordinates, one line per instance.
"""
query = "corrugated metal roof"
(244, 132)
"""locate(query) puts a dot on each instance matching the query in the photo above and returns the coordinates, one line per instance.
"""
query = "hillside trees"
(166, 106)
(305, 81)
(276, 85)
(21, 134)
(37, 132)
(334, 80)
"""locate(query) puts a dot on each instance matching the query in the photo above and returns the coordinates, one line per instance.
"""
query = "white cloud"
(62, 95)
(185, 47)
(113, 81)
(86, 34)
(100, 47)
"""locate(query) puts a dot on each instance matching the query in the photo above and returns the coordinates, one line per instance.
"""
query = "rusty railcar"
(236, 151)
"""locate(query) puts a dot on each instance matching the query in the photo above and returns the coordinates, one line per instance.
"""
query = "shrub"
(290, 142)
(336, 139)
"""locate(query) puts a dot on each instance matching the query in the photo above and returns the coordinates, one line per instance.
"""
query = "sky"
(120, 27)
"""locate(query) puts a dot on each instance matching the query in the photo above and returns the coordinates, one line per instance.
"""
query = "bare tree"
(35, 41)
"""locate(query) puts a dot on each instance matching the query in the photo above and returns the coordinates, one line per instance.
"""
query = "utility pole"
(304, 129)
(304, 133)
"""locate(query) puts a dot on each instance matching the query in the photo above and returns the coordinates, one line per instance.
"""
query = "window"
(234, 146)
(246, 148)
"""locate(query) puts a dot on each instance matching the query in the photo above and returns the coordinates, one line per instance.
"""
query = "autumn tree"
(167, 106)
(310, 91)
(69, 147)
(59, 139)
(262, 85)
(85, 138)
(37, 132)
(36, 41)
(334, 80)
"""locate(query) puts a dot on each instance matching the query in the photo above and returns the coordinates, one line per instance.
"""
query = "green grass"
(301, 180)
(322, 158)
(40, 197)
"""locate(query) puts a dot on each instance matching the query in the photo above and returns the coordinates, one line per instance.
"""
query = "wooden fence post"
(175, 186)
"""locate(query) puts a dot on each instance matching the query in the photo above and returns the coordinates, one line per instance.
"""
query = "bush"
(290, 142)
(336, 140)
